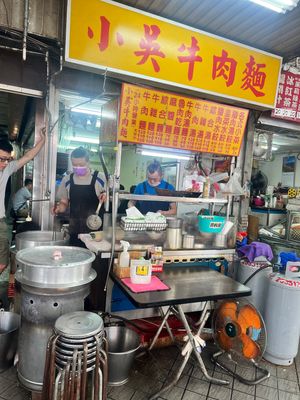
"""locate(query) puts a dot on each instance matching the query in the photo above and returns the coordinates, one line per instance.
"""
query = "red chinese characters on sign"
(254, 78)
(149, 47)
(225, 67)
(288, 97)
(192, 57)
(187, 123)
(104, 34)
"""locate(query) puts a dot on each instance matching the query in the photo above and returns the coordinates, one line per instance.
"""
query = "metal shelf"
(171, 199)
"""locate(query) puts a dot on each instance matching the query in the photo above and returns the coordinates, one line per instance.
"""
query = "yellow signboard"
(106, 35)
(165, 119)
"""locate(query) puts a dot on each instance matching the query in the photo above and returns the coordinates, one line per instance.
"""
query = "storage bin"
(211, 223)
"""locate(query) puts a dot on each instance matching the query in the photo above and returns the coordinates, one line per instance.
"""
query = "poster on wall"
(288, 171)
(288, 97)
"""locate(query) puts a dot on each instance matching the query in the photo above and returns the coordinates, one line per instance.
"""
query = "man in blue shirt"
(154, 180)
(20, 199)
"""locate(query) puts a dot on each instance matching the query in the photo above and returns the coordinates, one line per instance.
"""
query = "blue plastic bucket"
(211, 223)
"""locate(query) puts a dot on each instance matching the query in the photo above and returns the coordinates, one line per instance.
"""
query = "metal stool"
(77, 350)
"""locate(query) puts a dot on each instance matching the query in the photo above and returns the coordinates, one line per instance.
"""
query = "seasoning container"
(206, 188)
(174, 233)
(188, 241)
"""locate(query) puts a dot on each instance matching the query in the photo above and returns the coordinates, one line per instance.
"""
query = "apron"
(152, 206)
(83, 202)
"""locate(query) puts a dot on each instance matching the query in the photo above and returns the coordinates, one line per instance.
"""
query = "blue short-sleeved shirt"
(153, 206)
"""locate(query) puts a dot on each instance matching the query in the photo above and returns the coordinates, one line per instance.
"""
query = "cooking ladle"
(94, 222)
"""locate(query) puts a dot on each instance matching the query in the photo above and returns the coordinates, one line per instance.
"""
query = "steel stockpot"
(54, 281)
(41, 238)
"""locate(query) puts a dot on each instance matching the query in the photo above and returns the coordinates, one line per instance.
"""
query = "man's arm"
(171, 211)
(34, 151)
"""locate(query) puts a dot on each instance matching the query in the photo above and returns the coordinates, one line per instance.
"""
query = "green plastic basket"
(211, 223)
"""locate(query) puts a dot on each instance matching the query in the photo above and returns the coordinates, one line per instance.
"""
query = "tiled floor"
(150, 372)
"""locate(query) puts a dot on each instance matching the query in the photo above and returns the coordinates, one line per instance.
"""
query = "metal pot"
(55, 266)
(41, 238)
(54, 281)
(174, 222)
(9, 325)
(188, 241)
(174, 233)
(174, 238)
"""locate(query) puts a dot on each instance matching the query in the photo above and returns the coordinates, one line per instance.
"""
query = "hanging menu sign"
(288, 98)
(169, 120)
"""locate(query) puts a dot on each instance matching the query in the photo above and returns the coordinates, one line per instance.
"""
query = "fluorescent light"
(280, 6)
(82, 139)
(274, 148)
(93, 150)
(103, 114)
(164, 155)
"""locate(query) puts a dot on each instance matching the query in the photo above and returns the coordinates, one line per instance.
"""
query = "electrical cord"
(256, 272)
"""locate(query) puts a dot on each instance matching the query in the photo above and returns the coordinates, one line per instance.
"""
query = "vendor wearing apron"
(154, 180)
(81, 191)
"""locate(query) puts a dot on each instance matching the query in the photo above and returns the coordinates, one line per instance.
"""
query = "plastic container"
(124, 259)
(211, 223)
(140, 271)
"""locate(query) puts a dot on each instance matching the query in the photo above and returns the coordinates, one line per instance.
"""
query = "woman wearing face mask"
(81, 191)
(154, 180)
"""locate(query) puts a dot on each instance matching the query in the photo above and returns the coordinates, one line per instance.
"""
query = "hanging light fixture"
(280, 6)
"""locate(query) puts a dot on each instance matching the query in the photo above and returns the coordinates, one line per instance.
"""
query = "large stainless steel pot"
(41, 238)
(54, 281)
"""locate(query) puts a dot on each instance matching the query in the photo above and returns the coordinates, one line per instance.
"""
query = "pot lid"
(55, 256)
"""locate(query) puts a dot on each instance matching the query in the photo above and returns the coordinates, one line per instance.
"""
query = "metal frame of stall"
(175, 255)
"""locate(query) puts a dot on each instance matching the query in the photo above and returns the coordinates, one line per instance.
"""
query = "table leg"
(167, 325)
(192, 342)
(177, 310)
(164, 322)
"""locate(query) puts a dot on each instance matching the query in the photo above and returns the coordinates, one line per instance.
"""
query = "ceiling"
(238, 20)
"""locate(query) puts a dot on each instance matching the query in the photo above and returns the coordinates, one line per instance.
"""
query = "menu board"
(166, 119)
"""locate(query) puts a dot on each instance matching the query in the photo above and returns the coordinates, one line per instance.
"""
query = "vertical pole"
(247, 164)
(53, 115)
(39, 162)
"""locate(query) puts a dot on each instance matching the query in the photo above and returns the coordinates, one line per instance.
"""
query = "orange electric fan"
(239, 332)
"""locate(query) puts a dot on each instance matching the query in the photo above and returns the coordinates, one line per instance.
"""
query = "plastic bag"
(233, 186)
(193, 182)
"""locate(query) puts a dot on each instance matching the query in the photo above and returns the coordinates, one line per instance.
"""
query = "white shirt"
(4, 175)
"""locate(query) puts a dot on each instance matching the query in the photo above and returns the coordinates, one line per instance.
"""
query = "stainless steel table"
(187, 285)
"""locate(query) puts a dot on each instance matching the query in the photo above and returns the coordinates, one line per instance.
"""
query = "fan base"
(264, 374)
